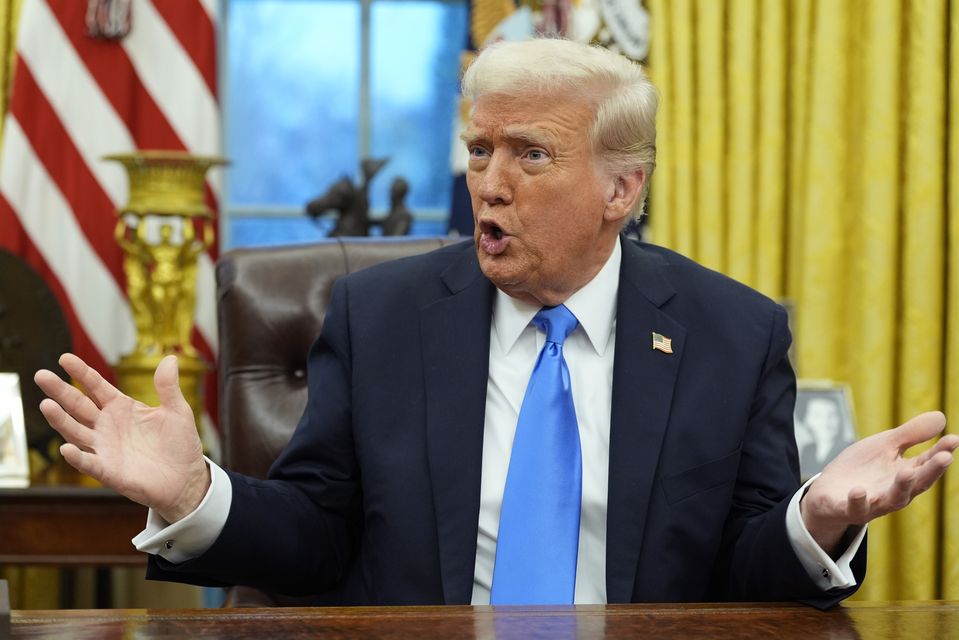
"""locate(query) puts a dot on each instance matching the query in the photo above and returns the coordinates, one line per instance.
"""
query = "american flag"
(77, 97)
(662, 343)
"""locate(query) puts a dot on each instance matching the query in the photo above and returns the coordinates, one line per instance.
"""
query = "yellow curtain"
(807, 149)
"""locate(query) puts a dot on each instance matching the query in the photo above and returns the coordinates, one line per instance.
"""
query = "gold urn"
(162, 231)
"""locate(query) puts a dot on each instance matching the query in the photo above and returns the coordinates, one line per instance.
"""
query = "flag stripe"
(168, 74)
(193, 28)
(88, 204)
(15, 240)
(210, 6)
(54, 232)
(110, 66)
(94, 127)
(206, 302)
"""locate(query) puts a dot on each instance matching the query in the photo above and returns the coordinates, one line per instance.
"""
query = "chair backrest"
(271, 306)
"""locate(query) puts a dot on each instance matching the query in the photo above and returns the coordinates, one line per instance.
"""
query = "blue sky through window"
(293, 106)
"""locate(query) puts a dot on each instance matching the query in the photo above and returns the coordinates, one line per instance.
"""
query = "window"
(314, 86)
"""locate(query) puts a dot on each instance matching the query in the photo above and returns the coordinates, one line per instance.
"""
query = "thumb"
(923, 427)
(167, 383)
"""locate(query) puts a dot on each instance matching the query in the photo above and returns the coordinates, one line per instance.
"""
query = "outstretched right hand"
(152, 455)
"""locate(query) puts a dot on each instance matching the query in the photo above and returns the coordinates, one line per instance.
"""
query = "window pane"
(415, 60)
(293, 73)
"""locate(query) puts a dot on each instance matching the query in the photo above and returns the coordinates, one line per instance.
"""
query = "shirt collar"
(594, 305)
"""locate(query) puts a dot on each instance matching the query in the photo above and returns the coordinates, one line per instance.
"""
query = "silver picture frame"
(14, 459)
(824, 423)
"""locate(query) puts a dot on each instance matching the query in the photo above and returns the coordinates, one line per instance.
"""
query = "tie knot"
(557, 322)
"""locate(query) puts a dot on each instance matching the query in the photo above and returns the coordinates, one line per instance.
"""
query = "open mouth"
(492, 229)
(493, 239)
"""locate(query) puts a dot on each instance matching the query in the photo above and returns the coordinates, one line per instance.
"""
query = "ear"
(623, 194)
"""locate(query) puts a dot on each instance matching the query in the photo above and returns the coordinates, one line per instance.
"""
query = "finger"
(84, 462)
(64, 424)
(167, 383)
(67, 396)
(857, 506)
(900, 493)
(99, 389)
(947, 443)
(931, 470)
(921, 428)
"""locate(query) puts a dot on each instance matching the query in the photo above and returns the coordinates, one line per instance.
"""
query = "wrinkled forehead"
(530, 114)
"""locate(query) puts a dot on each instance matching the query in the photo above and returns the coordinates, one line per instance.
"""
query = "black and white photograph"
(824, 424)
(14, 466)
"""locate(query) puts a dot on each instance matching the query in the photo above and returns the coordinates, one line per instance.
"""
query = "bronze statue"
(399, 220)
(350, 201)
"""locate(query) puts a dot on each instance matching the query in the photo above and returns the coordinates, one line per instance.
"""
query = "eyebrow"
(469, 136)
(518, 133)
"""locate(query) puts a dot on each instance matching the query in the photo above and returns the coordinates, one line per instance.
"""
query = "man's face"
(542, 225)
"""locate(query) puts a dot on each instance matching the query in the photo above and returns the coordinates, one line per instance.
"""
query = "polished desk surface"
(925, 620)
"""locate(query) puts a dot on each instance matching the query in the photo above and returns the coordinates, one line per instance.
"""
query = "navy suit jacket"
(378, 493)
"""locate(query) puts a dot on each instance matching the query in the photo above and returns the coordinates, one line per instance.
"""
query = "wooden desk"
(925, 620)
(69, 526)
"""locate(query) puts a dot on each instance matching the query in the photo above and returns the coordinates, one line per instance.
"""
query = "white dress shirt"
(514, 346)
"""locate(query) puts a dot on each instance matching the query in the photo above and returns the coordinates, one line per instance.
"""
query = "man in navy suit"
(392, 486)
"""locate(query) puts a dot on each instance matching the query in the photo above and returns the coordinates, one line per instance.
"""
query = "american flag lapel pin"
(662, 343)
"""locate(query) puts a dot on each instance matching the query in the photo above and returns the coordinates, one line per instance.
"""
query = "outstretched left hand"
(872, 478)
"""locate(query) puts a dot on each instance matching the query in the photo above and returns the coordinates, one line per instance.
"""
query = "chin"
(498, 271)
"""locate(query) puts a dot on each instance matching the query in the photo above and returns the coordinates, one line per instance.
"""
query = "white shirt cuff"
(823, 570)
(194, 534)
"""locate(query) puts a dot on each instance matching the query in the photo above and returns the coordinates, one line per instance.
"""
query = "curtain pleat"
(740, 196)
(949, 503)
(769, 249)
(710, 127)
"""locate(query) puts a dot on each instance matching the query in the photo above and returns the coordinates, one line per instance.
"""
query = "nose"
(494, 184)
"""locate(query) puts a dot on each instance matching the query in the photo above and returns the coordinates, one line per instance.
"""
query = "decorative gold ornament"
(162, 230)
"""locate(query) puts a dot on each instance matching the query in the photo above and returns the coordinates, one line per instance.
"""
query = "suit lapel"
(455, 337)
(643, 381)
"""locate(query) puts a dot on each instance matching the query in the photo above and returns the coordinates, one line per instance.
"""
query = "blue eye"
(536, 155)
(477, 152)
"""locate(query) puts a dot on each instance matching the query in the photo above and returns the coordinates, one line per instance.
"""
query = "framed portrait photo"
(824, 423)
(14, 461)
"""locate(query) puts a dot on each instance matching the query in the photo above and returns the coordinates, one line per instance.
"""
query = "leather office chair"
(271, 304)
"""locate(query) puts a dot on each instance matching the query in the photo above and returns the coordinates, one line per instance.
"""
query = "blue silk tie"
(539, 523)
